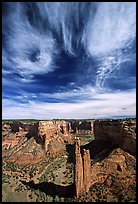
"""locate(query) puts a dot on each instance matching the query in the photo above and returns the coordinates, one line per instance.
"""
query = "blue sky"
(68, 60)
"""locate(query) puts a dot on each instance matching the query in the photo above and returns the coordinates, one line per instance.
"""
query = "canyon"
(82, 154)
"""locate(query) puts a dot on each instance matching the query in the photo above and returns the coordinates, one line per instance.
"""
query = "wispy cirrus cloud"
(113, 27)
(29, 51)
(110, 64)
(69, 54)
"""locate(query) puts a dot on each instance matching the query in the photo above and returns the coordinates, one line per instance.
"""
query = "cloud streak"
(110, 104)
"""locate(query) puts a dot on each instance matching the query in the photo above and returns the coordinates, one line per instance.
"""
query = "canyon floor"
(29, 174)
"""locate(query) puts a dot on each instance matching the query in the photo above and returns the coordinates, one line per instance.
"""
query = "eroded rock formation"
(51, 136)
(115, 165)
(47, 130)
(44, 131)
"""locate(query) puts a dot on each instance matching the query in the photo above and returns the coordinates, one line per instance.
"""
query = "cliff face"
(122, 133)
(129, 134)
(43, 130)
(12, 139)
(6, 126)
(115, 133)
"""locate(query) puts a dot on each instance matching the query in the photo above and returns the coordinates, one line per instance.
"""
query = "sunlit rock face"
(122, 133)
(48, 130)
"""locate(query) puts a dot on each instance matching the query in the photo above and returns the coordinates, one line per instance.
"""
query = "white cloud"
(105, 31)
(106, 105)
(76, 94)
(24, 41)
(113, 27)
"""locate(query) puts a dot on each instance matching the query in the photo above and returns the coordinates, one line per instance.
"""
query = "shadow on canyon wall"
(99, 149)
(52, 189)
(70, 148)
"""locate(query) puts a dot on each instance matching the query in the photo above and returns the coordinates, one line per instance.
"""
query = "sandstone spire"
(78, 174)
(82, 175)
(86, 170)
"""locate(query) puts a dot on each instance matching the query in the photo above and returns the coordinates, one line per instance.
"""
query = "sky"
(68, 60)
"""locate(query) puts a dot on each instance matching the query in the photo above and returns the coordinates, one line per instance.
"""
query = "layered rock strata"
(46, 130)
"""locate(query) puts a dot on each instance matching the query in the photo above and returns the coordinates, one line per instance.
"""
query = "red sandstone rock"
(5, 127)
(113, 166)
(52, 135)
(47, 130)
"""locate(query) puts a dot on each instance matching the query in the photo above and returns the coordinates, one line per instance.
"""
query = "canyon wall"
(44, 132)
(82, 127)
(121, 132)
